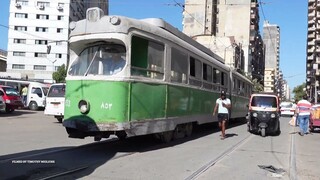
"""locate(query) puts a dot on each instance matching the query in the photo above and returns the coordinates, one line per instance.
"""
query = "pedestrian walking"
(223, 104)
(303, 114)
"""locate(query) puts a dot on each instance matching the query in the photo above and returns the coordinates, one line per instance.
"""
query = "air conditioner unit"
(60, 8)
(41, 7)
(18, 5)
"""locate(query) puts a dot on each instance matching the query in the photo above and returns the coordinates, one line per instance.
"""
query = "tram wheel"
(121, 135)
(263, 132)
(166, 137)
(188, 129)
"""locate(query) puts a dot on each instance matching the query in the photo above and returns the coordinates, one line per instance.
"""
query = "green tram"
(133, 77)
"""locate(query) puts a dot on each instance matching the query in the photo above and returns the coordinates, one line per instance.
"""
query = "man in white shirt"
(223, 104)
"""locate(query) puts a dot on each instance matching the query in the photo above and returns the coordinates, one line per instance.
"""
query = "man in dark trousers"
(223, 104)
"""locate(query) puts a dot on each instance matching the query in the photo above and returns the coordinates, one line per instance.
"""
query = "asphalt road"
(31, 136)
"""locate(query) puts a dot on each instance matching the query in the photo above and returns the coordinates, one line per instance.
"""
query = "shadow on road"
(16, 113)
(81, 161)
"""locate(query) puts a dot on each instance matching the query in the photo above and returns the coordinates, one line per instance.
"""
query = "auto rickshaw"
(264, 113)
(314, 118)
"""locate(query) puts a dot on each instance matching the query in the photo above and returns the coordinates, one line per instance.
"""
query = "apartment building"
(313, 50)
(36, 26)
(3, 60)
(271, 39)
(230, 29)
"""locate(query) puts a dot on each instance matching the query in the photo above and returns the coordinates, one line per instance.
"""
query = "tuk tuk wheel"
(311, 129)
(263, 132)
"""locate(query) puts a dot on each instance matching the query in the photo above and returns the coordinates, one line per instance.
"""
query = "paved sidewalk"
(307, 155)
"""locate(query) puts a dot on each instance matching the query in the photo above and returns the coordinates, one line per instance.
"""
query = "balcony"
(253, 5)
(311, 50)
(311, 2)
(310, 58)
(311, 13)
(311, 35)
(311, 29)
(317, 60)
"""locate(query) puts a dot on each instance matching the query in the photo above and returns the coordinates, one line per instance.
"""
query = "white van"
(36, 97)
(55, 101)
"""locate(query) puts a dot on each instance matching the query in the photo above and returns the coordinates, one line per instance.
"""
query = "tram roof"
(164, 25)
(88, 27)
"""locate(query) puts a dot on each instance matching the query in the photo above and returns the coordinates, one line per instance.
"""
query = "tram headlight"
(255, 115)
(84, 106)
(273, 115)
(94, 14)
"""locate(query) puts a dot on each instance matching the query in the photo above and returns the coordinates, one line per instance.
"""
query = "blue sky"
(291, 16)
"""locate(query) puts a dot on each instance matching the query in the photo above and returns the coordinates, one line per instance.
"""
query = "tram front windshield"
(264, 101)
(108, 59)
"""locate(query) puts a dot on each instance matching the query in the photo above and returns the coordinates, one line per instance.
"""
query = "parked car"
(287, 109)
(314, 121)
(2, 103)
(55, 101)
(11, 98)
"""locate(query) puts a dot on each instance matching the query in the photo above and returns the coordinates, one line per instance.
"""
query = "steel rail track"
(205, 167)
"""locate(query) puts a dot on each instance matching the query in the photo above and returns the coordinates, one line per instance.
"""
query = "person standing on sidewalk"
(24, 94)
(303, 113)
(223, 104)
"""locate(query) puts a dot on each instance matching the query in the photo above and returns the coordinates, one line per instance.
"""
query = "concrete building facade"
(34, 28)
(271, 39)
(3, 60)
(313, 50)
(229, 28)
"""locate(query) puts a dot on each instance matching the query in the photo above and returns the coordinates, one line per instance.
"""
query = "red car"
(11, 97)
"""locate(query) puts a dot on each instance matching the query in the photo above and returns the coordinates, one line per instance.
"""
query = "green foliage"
(257, 87)
(299, 92)
(60, 75)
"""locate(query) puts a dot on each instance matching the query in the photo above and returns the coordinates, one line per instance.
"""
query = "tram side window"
(207, 76)
(195, 72)
(216, 79)
(179, 66)
(147, 58)
(235, 85)
(224, 80)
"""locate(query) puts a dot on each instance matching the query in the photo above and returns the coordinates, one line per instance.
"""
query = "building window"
(42, 16)
(45, 4)
(19, 41)
(18, 66)
(17, 53)
(22, 2)
(20, 28)
(21, 15)
(59, 30)
(41, 29)
(58, 55)
(39, 67)
(60, 18)
(44, 42)
(40, 54)
(56, 68)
